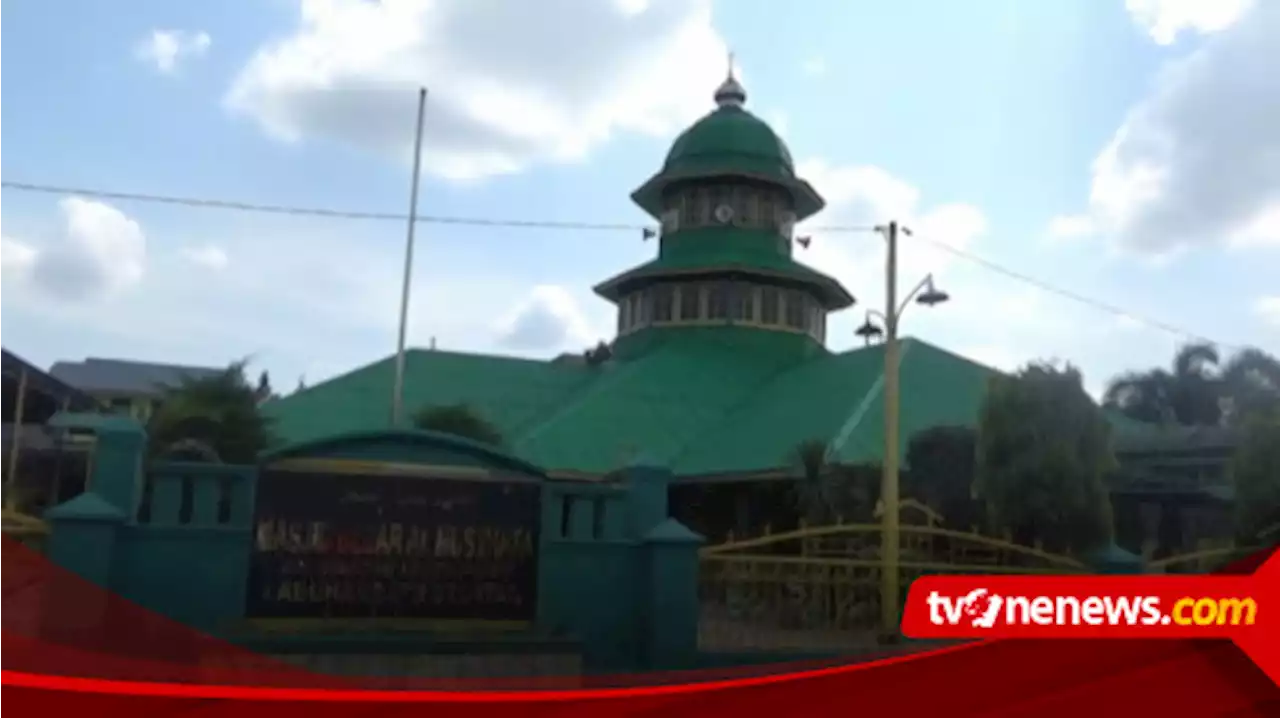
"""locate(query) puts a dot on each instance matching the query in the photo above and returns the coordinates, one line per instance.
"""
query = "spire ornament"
(730, 93)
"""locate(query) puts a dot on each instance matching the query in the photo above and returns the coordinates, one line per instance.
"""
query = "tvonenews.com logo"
(980, 608)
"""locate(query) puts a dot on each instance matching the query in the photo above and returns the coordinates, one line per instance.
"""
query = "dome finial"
(730, 93)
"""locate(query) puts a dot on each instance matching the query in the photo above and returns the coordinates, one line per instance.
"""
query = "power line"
(349, 214)
(307, 211)
(587, 226)
(1074, 296)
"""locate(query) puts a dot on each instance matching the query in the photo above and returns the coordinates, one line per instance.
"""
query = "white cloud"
(991, 318)
(1268, 309)
(815, 66)
(343, 316)
(779, 120)
(16, 259)
(862, 196)
(1195, 162)
(101, 252)
(208, 256)
(995, 356)
(510, 83)
(549, 319)
(1165, 20)
(166, 48)
(1070, 227)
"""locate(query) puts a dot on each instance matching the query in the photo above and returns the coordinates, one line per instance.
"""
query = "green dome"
(729, 142)
(730, 137)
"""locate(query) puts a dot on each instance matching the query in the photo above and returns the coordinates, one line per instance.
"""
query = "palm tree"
(1251, 385)
(210, 418)
(1186, 395)
(1195, 392)
(458, 420)
(825, 490)
(813, 489)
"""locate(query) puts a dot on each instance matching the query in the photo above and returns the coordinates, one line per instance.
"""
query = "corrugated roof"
(511, 393)
(715, 401)
(117, 376)
(43, 382)
(721, 249)
(659, 403)
(839, 399)
(1149, 439)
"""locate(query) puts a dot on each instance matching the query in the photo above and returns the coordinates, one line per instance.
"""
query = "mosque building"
(719, 368)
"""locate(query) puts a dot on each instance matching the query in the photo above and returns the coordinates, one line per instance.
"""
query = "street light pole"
(890, 498)
(890, 535)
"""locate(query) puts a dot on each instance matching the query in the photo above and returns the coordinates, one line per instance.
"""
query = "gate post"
(84, 532)
(120, 444)
(82, 546)
(671, 607)
(648, 483)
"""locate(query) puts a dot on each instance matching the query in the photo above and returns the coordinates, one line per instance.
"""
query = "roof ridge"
(423, 351)
(940, 350)
(138, 362)
(846, 428)
(837, 443)
(477, 354)
(574, 401)
(743, 403)
(535, 422)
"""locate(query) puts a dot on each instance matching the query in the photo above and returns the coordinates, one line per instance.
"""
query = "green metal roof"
(1134, 437)
(711, 402)
(511, 393)
(839, 399)
(719, 250)
(731, 132)
(729, 141)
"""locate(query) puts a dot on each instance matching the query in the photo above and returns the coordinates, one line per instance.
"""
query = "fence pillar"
(671, 607)
(117, 456)
(83, 534)
(648, 483)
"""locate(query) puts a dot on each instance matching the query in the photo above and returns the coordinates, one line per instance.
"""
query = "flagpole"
(397, 397)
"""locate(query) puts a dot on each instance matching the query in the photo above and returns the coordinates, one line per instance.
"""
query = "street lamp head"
(932, 295)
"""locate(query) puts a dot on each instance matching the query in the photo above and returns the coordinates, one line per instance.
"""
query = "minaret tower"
(727, 199)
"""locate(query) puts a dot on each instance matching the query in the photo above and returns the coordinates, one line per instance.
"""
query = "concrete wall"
(617, 578)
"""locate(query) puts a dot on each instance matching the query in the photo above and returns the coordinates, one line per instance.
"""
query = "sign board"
(334, 545)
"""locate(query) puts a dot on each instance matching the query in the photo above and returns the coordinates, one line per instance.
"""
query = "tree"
(1251, 385)
(1186, 395)
(1255, 472)
(813, 487)
(941, 467)
(599, 355)
(1043, 450)
(212, 417)
(824, 490)
(1196, 392)
(458, 420)
(264, 390)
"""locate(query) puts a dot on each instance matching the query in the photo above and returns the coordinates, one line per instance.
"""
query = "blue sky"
(985, 125)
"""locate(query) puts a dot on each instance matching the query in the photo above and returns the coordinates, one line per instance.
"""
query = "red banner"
(1244, 609)
(150, 665)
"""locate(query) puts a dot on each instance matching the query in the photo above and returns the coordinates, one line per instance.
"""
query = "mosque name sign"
(397, 547)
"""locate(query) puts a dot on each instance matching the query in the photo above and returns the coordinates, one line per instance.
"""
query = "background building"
(41, 467)
(126, 386)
